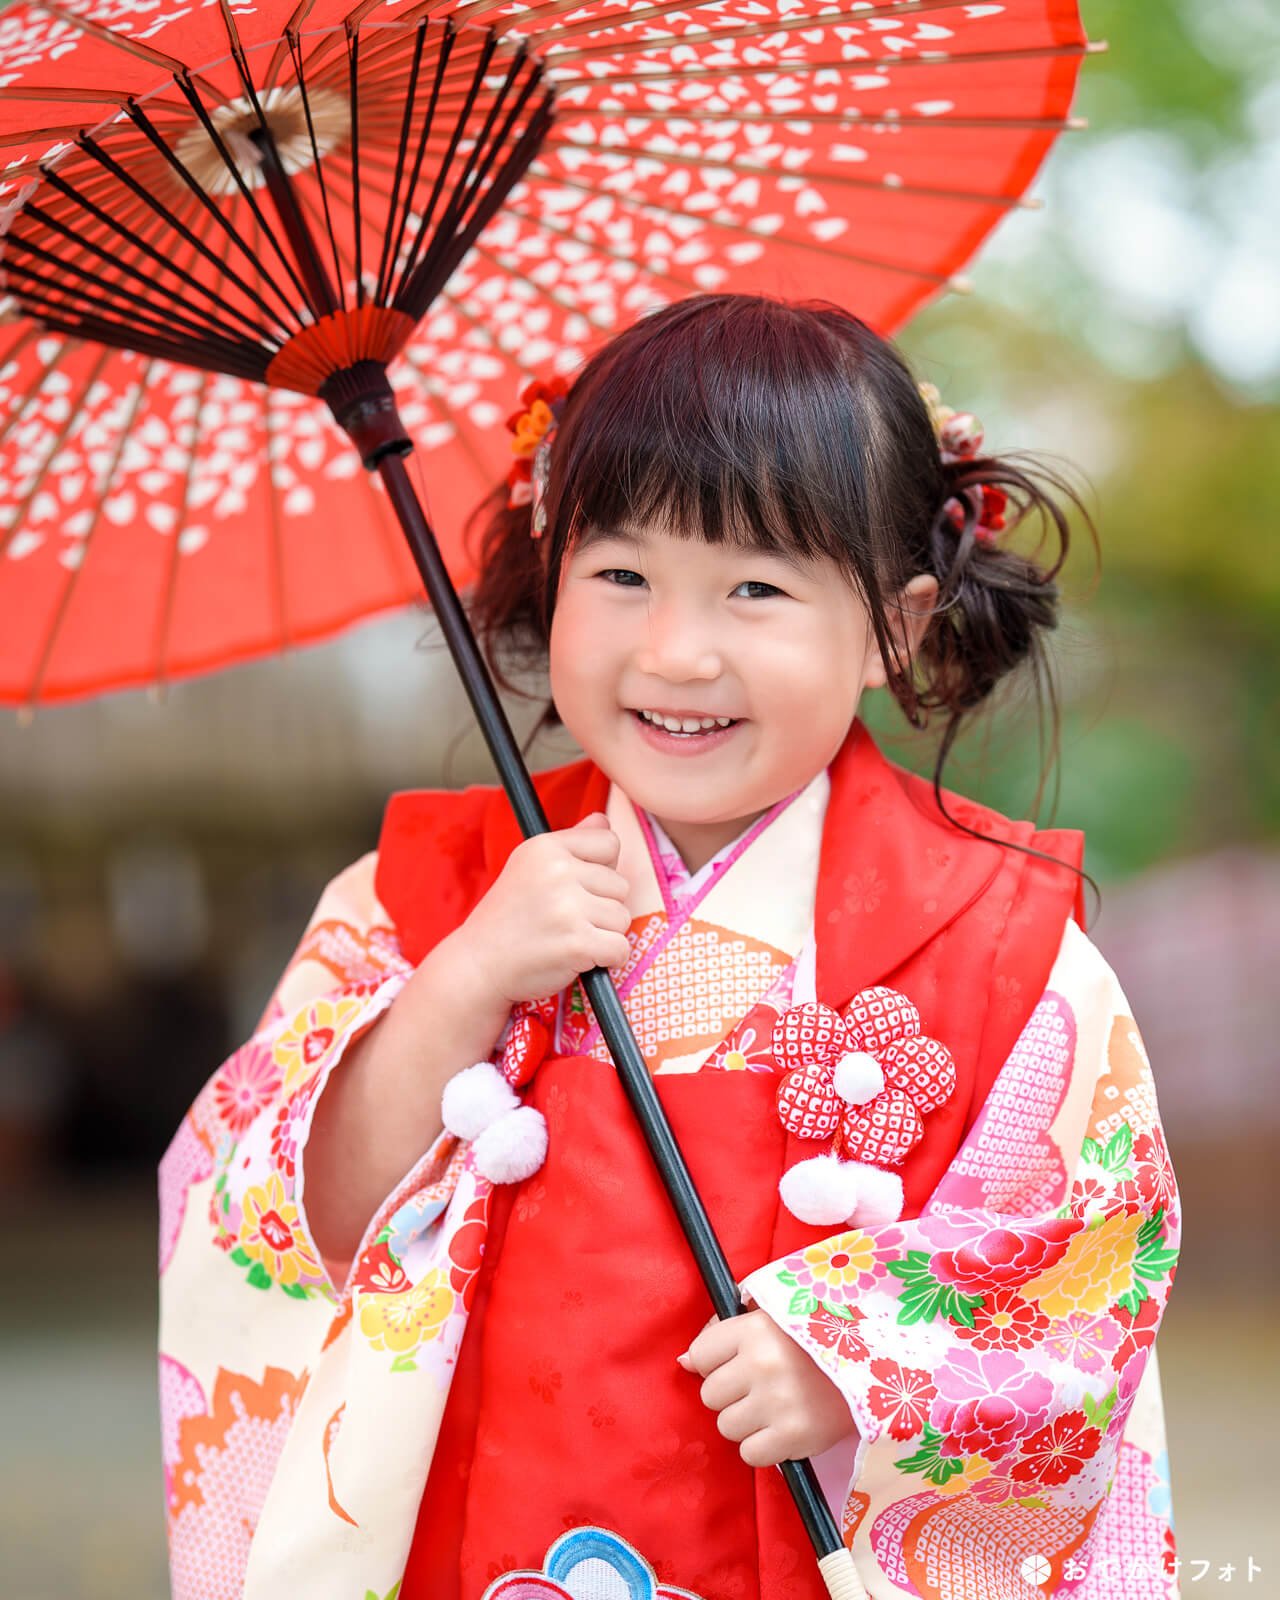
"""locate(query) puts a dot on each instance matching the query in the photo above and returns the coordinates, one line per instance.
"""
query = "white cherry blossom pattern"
(859, 155)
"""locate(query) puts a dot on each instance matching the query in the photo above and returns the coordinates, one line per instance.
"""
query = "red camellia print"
(1003, 1258)
(838, 1333)
(901, 1398)
(1058, 1451)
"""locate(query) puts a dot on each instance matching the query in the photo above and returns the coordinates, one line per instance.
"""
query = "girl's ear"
(908, 615)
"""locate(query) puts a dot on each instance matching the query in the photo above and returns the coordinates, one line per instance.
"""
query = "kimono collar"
(893, 871)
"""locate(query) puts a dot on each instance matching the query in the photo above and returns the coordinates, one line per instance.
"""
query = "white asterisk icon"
(1035, 1569)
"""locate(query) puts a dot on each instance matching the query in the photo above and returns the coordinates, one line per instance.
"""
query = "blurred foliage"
(1167, 658)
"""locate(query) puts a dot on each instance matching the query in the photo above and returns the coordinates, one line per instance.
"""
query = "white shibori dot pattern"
(840, 151)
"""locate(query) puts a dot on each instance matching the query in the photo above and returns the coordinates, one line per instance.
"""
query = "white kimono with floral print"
(1001, 1374)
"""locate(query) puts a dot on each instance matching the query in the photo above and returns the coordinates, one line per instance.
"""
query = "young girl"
(435, 1334)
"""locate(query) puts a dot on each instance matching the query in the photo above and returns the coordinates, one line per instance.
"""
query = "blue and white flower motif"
(587, 1564)
(1159, 1497)
(410, 1223)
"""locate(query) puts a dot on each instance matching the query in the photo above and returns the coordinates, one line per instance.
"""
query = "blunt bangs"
(742, 428)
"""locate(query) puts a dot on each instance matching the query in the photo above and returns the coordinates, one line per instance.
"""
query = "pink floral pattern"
(246, 1085)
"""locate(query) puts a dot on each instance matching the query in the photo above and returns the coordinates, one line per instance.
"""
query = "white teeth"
(685, 724)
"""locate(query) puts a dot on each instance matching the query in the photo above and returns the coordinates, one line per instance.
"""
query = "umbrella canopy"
(478, 192)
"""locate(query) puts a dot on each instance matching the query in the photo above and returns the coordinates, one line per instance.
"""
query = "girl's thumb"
(597, 819)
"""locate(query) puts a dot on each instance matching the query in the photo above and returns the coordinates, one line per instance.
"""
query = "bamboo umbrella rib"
(67, 299)
(739, 231)
(139, 241)
(89, 541)
(402, 150)
(428, 213)
(284, 45)
(106, 160)
(787, 69)
(300, 80)
(842, 180)
(113, 297)
(442, 60)
(197, 105)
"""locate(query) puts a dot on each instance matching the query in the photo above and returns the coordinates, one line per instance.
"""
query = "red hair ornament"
(863, 1078)
(533, 427)
(960, 436)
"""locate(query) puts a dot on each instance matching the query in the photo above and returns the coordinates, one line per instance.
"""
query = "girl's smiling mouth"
(695, 735)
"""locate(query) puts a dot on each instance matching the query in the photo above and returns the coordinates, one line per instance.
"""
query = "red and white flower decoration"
(863, 1079)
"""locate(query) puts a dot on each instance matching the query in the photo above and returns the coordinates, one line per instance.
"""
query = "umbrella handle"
(387, 458)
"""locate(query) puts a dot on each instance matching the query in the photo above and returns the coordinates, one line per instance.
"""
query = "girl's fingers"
(716, 1344)
(593, 844)
(725, 1387)
(608, 914)
(598, 879)
(738, 1422)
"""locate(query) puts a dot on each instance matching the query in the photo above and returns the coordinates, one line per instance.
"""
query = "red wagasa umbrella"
(235, 234)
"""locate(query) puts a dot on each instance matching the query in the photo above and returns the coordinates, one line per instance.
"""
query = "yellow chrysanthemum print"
(1095, 1270)
(839, 1262)
(302, 1046)
(401, 1322)
(271, 1232)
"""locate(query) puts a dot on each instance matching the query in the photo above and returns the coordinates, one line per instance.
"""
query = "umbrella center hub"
(285, 113)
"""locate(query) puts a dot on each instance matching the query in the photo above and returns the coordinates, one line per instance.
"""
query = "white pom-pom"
(857, 1077)
(513, 1148)
(475, 1098)
(879, 1195)
(822, 1189)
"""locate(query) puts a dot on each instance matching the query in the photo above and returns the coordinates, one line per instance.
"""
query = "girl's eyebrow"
(597, 533)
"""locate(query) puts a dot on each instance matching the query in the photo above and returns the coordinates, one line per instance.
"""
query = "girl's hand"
(557, 908)
(773, 1400)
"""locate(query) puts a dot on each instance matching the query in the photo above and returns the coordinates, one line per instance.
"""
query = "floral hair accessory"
(533, 427)
(862, 1079)
(959, 436)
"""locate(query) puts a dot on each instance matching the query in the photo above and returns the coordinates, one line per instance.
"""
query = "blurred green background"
(158, 861)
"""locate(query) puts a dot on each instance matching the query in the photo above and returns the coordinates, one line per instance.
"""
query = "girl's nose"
(678, 647)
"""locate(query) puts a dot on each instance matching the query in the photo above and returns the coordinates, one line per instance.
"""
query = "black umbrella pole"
(834, 1560)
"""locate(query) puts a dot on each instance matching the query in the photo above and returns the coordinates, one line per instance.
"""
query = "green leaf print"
(577, 1001)
(928, 1459)
(1115, 1158)
(296, 1291)
(1151, 1263)
(392, 1592)
(1098, 1412)
(803, 1303)
(259, 1277)
(404, 1363)
(240, 1256)
(923, 1297)
(789, 1278)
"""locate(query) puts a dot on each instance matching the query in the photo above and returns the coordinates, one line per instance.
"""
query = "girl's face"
(646, 621)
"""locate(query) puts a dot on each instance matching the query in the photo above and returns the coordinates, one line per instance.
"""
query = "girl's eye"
(616, 574)
(621, 576)
(753, 583)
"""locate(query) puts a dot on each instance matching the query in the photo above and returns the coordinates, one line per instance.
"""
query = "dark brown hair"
(744, 419)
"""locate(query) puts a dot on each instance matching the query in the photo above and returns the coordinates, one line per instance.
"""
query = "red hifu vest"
(567, 1408)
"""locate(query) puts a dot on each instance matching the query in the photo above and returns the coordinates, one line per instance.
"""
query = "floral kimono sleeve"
(996, 1351)
(247, 1303)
